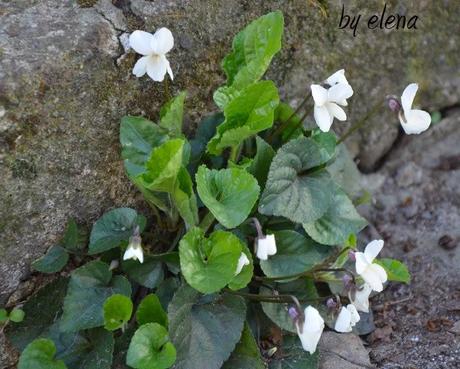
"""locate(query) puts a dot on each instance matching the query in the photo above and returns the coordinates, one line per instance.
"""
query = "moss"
(86, 3)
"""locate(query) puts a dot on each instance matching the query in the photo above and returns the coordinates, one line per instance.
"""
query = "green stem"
(166, 89)
(361, 122)
(207, 221)
(310, 273)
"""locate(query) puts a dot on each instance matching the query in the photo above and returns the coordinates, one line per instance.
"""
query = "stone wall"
(65, 81)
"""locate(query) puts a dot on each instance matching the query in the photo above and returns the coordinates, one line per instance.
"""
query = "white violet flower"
(347, 319)
(413, 121)
(361, 298)
(266, 246)
(327, 101)
(154, 48)
(242, 261)
(134, 250)
(372, 273)
(311, 329)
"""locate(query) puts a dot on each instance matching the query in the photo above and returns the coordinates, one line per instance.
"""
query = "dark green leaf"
(53, 261)
(261, 164)
(209, 264)
(246, 354)
(166, 290)
(298, 187)
(17, 315)
(229, 194)
(148, 274)
(252, 51)
(100, 351)
(117, 311)
(151, 311)
(285, 113)
(89, 287)
(292, 356)
(39, 354)
(396, 270)
(345, 172)
(245, 116)
(172, 114)
(3, 315)
(150, 348)
(75, 237)
(113, 228)
(204, 329)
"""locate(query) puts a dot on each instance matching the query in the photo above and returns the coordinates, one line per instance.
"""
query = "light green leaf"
(229, 194)
(246, 354)
(117, 311)
(40, 355)
(242, 279)
(150, 348)
(204, 329)
(172, 114)
(148, 274)
(3, 315)
(151, 311)
(113, 228)
(75, 237)
(209, 264)
(53, 261)
(261, 164)
(337, 223)
(17, 315)
(89, 287)
(252, 51)
(295, 254)
(298, 187)
(396, 270)
(185, 199)
(245, 116)
(292, 356)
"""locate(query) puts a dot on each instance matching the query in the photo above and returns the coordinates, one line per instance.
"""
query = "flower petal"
(156, 67)
(140, 68)
(339, 92)
(337, 77)
(323, 118)
(361, 300)
(162, 41)
(373, 249)
(141, 42)
(336, 111)
(271, 244)
(343, 322)
(355, 318)
(408, 96)
(372, 279)
(319, 94)
(312, 329)
(313, 320)
(378, 269)
(242, 261)
(361, 262)
(417, 121)
(169, 70)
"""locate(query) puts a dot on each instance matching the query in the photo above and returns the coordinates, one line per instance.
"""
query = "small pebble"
(447, 242)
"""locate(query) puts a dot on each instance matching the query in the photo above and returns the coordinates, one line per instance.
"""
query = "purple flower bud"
(331, 303)
(346, 279)
(394, 104)
(293, 313)
(352, 256)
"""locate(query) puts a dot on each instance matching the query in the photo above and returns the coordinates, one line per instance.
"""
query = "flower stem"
(207, 221)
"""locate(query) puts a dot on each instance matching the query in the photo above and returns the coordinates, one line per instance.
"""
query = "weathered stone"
(65, 83)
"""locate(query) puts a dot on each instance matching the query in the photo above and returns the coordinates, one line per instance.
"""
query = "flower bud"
(293, 313)
(352, 256)
(331, 303)
(393, 104)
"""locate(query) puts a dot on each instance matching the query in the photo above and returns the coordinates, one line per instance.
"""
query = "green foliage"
(246, 354)
(229, 194)
(151, 311)
(53, 261)
(292, 356)
(75, 237)
(172, 115)
(148, 274)
(117, 311)
(260, 166)
(40, 355)
(204, 329)
(3, 315)
(17, 315)
(252, 51)
(113, 228)
(396, 270)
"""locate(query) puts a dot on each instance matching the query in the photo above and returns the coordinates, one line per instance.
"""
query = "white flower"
(154, 48)
(372, 273)
(242, 261)
(413, 121)
(361, 298)
(327, 101)
(311, 330)
(134, 250)
(266, 246)
(347, 319)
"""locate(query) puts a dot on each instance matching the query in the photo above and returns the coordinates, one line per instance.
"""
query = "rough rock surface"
(65, 81)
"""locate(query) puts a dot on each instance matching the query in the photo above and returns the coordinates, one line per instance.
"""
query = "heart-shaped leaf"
(117, 311)
(246, 354)
(209, 264)
(39, 354)
(148, 274)
(53, 261)
(172, 114)
(151, 311)
(229, 194)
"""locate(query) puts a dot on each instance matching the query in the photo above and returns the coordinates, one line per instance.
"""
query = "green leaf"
(204, 329)
(166, 290)
(148, 274)
(246, 354)
(261, 164)
(113, 228)
(327, 143)
(396, 270)
(150, 348)
(151, 311)
(3, 315)
(242, 279)
(40, 355)
(298, 187)
(17, 315)
(163, 166)
(89, 287)
(100, 351)
(209, 264)
(53, 261)
(344, 172)
(295, 254)
(75, 238)
(252, 51)
(292, 356)
(283, 113)
(337, 223)
(138, 137)
(117, 311)
(172, 114)
(185, 199)
(229, 194)
(245, 116)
